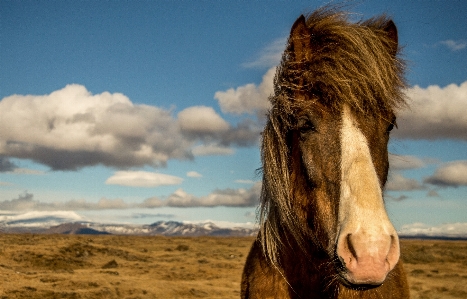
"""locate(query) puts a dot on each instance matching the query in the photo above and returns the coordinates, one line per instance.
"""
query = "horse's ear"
(300, 40)
(391, 31)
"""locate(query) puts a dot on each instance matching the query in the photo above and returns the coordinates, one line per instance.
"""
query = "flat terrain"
(84, 266)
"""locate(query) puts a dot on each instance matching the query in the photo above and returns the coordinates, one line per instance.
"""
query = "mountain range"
(64, 224)
(166, 228)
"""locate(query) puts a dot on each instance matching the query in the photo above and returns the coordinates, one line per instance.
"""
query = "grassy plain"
(83, 266)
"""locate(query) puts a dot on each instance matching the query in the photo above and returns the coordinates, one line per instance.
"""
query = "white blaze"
(361, 206)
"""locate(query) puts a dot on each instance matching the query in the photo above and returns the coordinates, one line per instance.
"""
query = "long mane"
(353, 63)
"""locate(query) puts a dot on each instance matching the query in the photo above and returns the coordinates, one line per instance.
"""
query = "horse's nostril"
(351, 247)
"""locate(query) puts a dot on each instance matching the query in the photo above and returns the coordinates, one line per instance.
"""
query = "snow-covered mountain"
(166, 228)
(174, 228)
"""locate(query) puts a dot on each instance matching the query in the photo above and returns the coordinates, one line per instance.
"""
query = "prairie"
(110, 266)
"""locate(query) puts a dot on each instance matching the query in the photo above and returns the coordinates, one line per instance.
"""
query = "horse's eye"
(305, 125)
(391, 125)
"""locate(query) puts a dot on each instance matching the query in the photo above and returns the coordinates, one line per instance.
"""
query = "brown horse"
(324, 230)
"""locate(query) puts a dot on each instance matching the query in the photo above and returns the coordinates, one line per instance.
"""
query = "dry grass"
(436, 269)
(67, 266)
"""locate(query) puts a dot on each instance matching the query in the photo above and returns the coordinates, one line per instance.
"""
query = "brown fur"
(328, 62)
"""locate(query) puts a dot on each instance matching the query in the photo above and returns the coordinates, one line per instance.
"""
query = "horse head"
(324, 150)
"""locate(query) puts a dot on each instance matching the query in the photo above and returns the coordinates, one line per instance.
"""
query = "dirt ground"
(71, 266)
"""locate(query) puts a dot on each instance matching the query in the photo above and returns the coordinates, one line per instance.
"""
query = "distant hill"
(425, 237)
(73, 229)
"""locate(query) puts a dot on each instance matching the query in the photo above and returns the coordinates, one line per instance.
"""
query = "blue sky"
(140, 111)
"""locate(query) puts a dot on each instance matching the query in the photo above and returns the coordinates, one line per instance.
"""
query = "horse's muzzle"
(367, 262)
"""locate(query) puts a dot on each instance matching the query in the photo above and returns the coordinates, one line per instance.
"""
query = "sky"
(141, 111)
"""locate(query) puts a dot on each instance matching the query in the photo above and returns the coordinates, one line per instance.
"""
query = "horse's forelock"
(353, 63)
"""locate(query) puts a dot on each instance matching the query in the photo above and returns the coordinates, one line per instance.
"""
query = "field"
(83, 266)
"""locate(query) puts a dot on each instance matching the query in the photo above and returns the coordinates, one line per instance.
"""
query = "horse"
(324, 231)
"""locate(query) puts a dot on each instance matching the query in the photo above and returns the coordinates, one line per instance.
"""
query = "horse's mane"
(353, 63)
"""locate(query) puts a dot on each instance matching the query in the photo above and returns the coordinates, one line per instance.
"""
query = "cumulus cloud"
(452, 174)
(435, 113)
(71, 128)
(249, 98)
(454, 45)
(193, 174)
(111, 204)
(204, 124)
(212, 149)
(226, 197)
(26, 202)
(398, 182)
(201, 121)
(142, 179)
(38, 218)
(401, 162)
(245, 181)
(458, 229)
(152, 202)
(246, 133)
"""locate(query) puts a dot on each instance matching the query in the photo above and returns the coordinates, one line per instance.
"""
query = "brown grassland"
(84, 266)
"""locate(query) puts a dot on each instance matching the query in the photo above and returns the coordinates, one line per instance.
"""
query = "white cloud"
(398, 162)
(435, 113)
(270, 56)
(226, 197)
(193, 174)
(245, 181)
(40, 218)
(152, 202)
(226, 224)
(452, 174)
(26, 202)
(71, 128)
(212, 150)
(142, 179)
(455, 45)
(106, 203)
(458, 229)
(201, 120)
(397, 182)
(249, 98)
